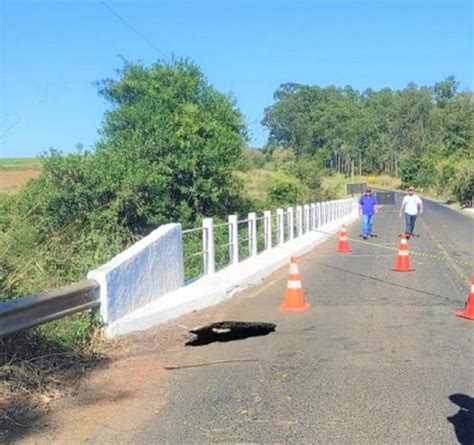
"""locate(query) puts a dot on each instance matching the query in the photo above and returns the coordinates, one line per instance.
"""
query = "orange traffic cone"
(294, 294)
(343, 245)
(468, 311)
(403, 258)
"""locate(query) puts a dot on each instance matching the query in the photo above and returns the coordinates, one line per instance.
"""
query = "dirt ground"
(118, 389)
(11, 180)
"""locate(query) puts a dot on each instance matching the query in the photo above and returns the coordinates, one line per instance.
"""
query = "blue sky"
(53, 51)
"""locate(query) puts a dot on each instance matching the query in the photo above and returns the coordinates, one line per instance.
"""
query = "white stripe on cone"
(293, 284)
(293, 268)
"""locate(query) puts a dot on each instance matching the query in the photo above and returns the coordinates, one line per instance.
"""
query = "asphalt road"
(378, 358)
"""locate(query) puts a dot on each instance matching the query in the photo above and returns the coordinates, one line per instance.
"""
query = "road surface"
(379, 358)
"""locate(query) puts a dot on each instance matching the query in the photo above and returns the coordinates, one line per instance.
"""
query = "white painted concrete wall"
(138, 276)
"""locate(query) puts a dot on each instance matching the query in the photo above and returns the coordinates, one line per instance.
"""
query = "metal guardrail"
(28, 312)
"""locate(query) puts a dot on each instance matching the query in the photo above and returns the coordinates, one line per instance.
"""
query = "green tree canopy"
(373, 131)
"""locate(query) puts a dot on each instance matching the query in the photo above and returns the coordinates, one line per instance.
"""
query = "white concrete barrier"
(139, 275)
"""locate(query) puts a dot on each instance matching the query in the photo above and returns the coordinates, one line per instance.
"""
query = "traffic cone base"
(403, 264)
(294, 301)
(294, 294)
(468, 311)
(343, 246)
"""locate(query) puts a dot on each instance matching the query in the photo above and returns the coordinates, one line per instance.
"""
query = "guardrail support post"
(280, 227)
(208, 246)
(267, 228)
(252, 224)
(318, 212)
(299, 220)
(291, 223)
(233, 239)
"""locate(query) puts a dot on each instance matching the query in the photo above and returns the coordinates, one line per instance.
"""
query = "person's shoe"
(407, 236)
(373, 235)
(364, 237)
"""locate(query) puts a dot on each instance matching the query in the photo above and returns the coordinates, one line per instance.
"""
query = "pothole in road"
(229, 331)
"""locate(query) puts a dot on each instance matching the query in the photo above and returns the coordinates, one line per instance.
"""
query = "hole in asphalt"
(228, 331)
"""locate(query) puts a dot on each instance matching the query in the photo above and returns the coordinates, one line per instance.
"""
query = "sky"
(52, 52)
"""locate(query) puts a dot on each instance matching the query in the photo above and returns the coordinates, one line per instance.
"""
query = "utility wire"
(2, 136)
(138, 33)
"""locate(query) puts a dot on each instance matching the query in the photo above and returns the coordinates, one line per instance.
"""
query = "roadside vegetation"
(422, 135)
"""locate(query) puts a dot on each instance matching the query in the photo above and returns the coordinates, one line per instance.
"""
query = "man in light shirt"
(411, 206)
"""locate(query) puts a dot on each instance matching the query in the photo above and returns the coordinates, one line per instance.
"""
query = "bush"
(419, 172)
(463, 184)
(284, 190)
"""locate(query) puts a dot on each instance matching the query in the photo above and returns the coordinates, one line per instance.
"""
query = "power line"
(2, 136)
(138, 33)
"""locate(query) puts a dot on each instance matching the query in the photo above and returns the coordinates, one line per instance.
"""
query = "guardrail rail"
(33, 310)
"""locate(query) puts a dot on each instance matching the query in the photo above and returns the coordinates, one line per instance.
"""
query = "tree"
(177, 140)
(168, 148)
(373, 131)
(445, 91)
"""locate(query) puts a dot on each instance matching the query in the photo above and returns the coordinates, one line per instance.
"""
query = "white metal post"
(291, 224)
(208, 246)
(267, 228)
(313, 216)
(299, 220)
(233, 239)
(306, 218)
(252, 234)
(318, 212)
(280, 227)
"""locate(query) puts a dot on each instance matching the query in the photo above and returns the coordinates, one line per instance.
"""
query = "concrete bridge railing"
(146, 285)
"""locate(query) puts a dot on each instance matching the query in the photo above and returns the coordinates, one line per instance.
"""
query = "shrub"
(284, 189)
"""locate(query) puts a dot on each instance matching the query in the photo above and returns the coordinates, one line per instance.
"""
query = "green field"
(19, 163)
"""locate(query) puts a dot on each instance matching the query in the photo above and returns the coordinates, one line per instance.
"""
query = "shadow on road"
(463, 420)
(228, 331)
